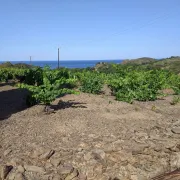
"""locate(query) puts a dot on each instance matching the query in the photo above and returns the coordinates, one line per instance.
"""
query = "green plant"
(144, 85)
(34, 77)
(176, 90)
(12, 73)
(4, 75)
(51, 87)
(153, 108)
(91, 84)
(128, 82)
(176, 100)
(30, 99)
(124, 96)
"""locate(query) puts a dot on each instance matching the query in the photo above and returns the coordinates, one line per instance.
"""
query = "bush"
(91, 84)
(176, 100)
(4, 75)
(51, 87)
(141, 86)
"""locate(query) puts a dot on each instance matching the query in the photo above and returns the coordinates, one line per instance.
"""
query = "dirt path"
(100, 137)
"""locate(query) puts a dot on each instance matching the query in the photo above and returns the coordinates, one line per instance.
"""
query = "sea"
(66, 63)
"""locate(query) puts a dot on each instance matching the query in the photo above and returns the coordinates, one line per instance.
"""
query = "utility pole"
(58, 58)
(30, 59)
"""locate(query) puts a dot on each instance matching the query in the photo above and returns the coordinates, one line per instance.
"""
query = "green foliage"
(45, 93)
(128, 82)
(171, 64)
(18, 65)
(34, 77)
(12, 73)
(139, 61)
(4, 75)
(30, 99)
(176, 100)
(141, 86)
(174, 83)
(90, 82)
(91, 85)
(49, 86)
(6, 65)
(125, 96)
(176, 89)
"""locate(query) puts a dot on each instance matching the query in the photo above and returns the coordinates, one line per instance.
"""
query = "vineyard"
(111, 122)
(127, 83)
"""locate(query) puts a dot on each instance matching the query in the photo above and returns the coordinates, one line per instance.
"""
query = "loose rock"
(55, 162)
(56, 177)
(34, 169)
(15, 161)
(19, 176)
(11, 176)
(88, 156)
(176, 130)
(82, 176)
(98, 154)
(72, 175)
(138, 150)
(7, 152)
(20, 169)
(5, 171)
(48, 165)
(47, 155)
(175, 161)
(98, 169)
(67, 169)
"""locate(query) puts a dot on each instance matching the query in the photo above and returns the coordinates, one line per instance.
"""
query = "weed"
(153, 108)
(176, 100)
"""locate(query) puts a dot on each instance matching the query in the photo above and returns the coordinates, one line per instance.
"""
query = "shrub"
(176, 100)
(91, 84)
(141, 86)
(51, 87)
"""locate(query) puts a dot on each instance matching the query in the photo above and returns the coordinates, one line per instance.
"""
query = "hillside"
(62, 124)
(139, 61)
(18, 65)
(172, 63)
(89, 137)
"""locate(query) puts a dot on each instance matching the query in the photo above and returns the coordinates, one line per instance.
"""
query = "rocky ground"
(89, 137)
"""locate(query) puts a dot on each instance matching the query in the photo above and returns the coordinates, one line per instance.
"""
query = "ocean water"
(67, 64)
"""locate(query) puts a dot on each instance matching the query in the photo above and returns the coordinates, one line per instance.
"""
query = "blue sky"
(89, 29)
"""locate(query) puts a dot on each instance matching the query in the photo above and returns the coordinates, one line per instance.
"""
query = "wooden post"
(58, 58)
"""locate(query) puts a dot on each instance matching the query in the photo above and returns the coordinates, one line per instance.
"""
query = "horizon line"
(68, 60)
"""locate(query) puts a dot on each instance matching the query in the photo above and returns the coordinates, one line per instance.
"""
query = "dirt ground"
(99, 137)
